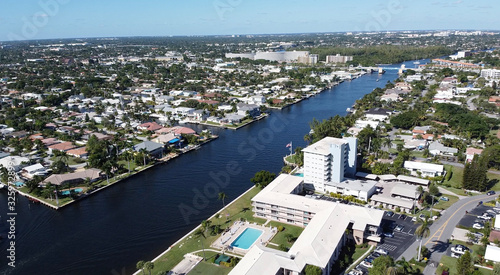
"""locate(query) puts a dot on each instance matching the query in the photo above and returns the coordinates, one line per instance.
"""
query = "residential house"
(63, 146)
(424, 169)
(248, 109)
(436, 148)
(34, 170)
(149, 126)
(80, 152)
(470, 152)
(379, 114)
(93, 174)
(152, 148)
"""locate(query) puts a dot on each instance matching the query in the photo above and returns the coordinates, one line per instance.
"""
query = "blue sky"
(41, 19)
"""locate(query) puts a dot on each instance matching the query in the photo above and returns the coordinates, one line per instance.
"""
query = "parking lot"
(471, 217)
(401, 240)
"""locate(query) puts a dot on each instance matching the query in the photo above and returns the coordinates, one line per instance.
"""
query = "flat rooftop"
(322, 147)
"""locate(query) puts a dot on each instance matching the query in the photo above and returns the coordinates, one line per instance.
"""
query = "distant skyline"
(47, 19)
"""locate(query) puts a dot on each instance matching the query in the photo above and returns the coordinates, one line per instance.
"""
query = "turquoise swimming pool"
(299, 174)
(247, 238)
(67, 192)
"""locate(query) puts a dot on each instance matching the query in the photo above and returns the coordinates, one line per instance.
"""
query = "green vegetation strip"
(238, 209)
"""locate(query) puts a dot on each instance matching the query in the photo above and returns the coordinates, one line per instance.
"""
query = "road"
(441, 231)
(471, 105)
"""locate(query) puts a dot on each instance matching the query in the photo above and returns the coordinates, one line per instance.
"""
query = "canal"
(142, 216)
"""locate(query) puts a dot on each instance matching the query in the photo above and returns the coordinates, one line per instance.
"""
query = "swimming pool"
(67, 192)
(299, 174)
(247, 238)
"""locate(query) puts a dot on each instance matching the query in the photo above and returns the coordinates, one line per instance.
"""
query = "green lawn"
(71, 160)
(125, 164)
(209, 269)
(456, 180)
(239, 209)
(359, 252)
(280, 237)
(451, 263)
(445, 204)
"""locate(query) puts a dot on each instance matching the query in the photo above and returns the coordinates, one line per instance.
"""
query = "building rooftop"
(423, 166)
(353, 184)
(322, 147)
(405, 190)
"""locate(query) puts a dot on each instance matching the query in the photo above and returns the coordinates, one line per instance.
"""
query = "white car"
(381, 251)
(478, 226)
(459, 249)
(455, 255)
(484, 217)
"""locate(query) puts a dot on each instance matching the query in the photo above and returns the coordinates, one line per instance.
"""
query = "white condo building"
(329, 161)
(328, 226)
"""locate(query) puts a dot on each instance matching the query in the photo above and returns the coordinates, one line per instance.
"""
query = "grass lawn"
(280, 237)
(71, 160)
(451, 263)
(456, 180)
(125, 164)
(445, 204)
(359, 252)
(62, 199)
(239, 209)
(209, 269)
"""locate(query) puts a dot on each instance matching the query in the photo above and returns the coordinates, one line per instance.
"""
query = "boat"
(377, 80)
(416, 62)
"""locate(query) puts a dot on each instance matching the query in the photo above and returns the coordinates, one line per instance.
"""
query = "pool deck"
(227, 238)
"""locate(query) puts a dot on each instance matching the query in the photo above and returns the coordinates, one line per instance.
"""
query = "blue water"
(299, 174)
(247, 238)
(67, 192)
(18, 183)
(126, 223)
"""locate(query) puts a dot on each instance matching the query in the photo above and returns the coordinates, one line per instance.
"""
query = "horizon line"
(242, 34)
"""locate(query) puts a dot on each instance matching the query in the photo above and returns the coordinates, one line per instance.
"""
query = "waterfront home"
(93, 174)
(378, 114)
(152, 148)
(248, 109)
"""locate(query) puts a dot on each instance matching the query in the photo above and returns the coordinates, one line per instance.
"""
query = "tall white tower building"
(329, 160)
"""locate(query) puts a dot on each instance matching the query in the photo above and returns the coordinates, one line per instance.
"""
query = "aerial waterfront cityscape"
(233, 143)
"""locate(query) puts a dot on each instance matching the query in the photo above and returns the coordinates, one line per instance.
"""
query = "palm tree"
(149, 266)
(422, 231)
(140, 265)
(222, 196)
(201, 233)
(387, 142)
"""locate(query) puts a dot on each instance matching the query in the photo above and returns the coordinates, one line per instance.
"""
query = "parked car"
(399, 228)
(375, 255)
(402, 217)
(366, 264)
(459, 249)
(389, 213)
(444, 198)
(478, 225)
(455, 255)
(485, 216)
(388, 234)
(381, 251)
(489, 193)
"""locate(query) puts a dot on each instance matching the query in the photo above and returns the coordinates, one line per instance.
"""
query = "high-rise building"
(338, 58)
(329, 160)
